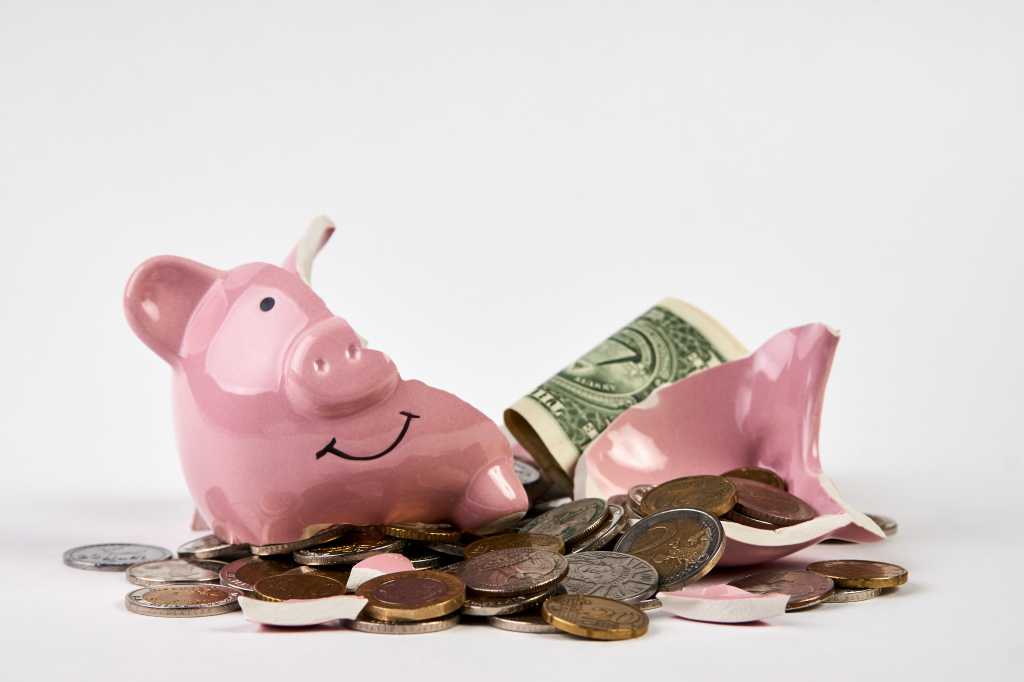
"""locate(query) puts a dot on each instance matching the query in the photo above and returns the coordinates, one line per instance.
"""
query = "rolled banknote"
(557, 420)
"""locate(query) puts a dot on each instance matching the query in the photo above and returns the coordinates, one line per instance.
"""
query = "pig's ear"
(300, 260)
(160, 298)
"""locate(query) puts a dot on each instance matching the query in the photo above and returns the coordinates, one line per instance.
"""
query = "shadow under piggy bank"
(761, 411)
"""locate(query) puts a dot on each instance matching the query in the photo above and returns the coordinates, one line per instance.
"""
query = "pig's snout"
(331, 374)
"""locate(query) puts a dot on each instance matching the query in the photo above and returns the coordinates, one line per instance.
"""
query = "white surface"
(513, 182)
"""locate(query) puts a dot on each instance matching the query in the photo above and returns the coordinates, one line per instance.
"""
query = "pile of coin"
(588, 567)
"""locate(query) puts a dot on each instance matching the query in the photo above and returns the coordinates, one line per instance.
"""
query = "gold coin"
(412, 595)
(766, 476)
(296, 585)
(858, 573)
(508, 540)
(429, 532)
(715, 495)
(594, 617)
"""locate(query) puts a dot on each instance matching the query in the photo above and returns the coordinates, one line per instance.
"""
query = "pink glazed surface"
(286, 421)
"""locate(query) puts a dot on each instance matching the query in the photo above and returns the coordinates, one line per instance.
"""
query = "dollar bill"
(671, 341)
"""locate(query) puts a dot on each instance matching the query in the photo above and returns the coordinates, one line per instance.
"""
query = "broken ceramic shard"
(376, 566)
(301, 612)
(722, 604)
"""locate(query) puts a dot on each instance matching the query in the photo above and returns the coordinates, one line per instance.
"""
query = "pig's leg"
(494, 499)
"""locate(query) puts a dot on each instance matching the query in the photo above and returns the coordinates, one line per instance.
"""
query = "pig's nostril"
(353, 352)
(321, 366)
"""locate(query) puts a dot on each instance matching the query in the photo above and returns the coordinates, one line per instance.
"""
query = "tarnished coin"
(325, 535)
(481, 605)
(527, 473)
(532, 622)
(742, 519)
(412, 595)
(803, 587)
(174, 571)
(182, 601)
(621, 500)
(570, 521)
(449, 548)
(212, 547)
(352, 546)
(242, 574)
(766, 476)
(842, 595)
(851, 573)
(682, 544)
(552, 543)
(610, 574)
(429, 532)
(594, 617)
(295, 585)
(365, 623)
(770, 504)
(636, 496)
(422, 557)
(614, 525)
(113, 556)
(513, 571)
(648, 604)
(713, 494)
(886, 523)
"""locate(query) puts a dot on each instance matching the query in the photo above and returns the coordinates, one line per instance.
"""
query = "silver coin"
(212, 547)
(326, 535)
(330, 555)
(242, 574)
(842, 595)
(648, 604)
(614, 525)
(665, 534)
(636, 496)
(174, 571)
(379, 627)
(113, 556)
(532, 623)
(570, 521)
(182, 601)
(526, 472)
(886, 523)
(513, 571)
(421, 557)
(613, 575)
(449, 548)
(547, 505)
(476, 605)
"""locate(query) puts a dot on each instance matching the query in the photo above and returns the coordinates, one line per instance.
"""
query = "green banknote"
(672, 340)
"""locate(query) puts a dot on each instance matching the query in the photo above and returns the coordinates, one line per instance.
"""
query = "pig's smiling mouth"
(329, 449)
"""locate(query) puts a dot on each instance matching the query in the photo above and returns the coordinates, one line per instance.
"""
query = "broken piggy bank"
(287, 421)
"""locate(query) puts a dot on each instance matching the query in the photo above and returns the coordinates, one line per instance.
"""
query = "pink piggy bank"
(286, 421)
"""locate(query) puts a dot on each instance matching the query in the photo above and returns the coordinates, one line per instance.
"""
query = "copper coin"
(517, 570)
(594, 617)
(552, 543)
(803, 587)
(712, 494)
(850, 573)
(242, 574)
(570, 521)
(412, 595)
(294, 585)
(428, 532)
(683, 545)
(769, 504)
(766, 476)
(738, 517)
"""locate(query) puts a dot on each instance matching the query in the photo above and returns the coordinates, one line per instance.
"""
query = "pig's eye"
(266, 304)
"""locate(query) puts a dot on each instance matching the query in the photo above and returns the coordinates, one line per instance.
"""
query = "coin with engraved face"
(857, 573)
(174, 571)
(412, 595)
(570, 521)
(517, 570)
(182, 601)
(803, 587)
(296, 585)
(683, 545)
(770, 504)
(713, 494)
(594, 617)
(242, 574)
(113, 556)
(351, 547)
(212, 547)
(766, 476)
(552, 543)
(610, 574)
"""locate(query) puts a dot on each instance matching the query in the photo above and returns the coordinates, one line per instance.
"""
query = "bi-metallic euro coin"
(682, 544)
(182, 601)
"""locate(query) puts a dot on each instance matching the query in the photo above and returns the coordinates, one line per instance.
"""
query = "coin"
(803, 587)
(552, 543)
(113, 556)
(842, 595)
(212, 547)
(449, 548)
(636, 496)
(242, 574)
(615, 523)
(766, 476)
(713, 494)
(547, 505)
(621, 500)
(174, 571)
(886, 523)
(570, 521)
(479, 605)
(610, 574)
(527, 473)
(352, 546)
(412, 595)
(532, 622)
(850, 573)
(769, 504)
(517, 570)
(422, 557)
(325, 535)
(648, 604)
(682, 544)
(739, 517)
(431, 532)
(182, 601)
(294, 585)
(594, 617)
(365, 623)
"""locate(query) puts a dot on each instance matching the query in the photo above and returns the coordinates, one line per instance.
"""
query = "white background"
(513, 182)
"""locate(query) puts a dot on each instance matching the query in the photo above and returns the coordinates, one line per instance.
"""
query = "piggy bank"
(287, 421)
